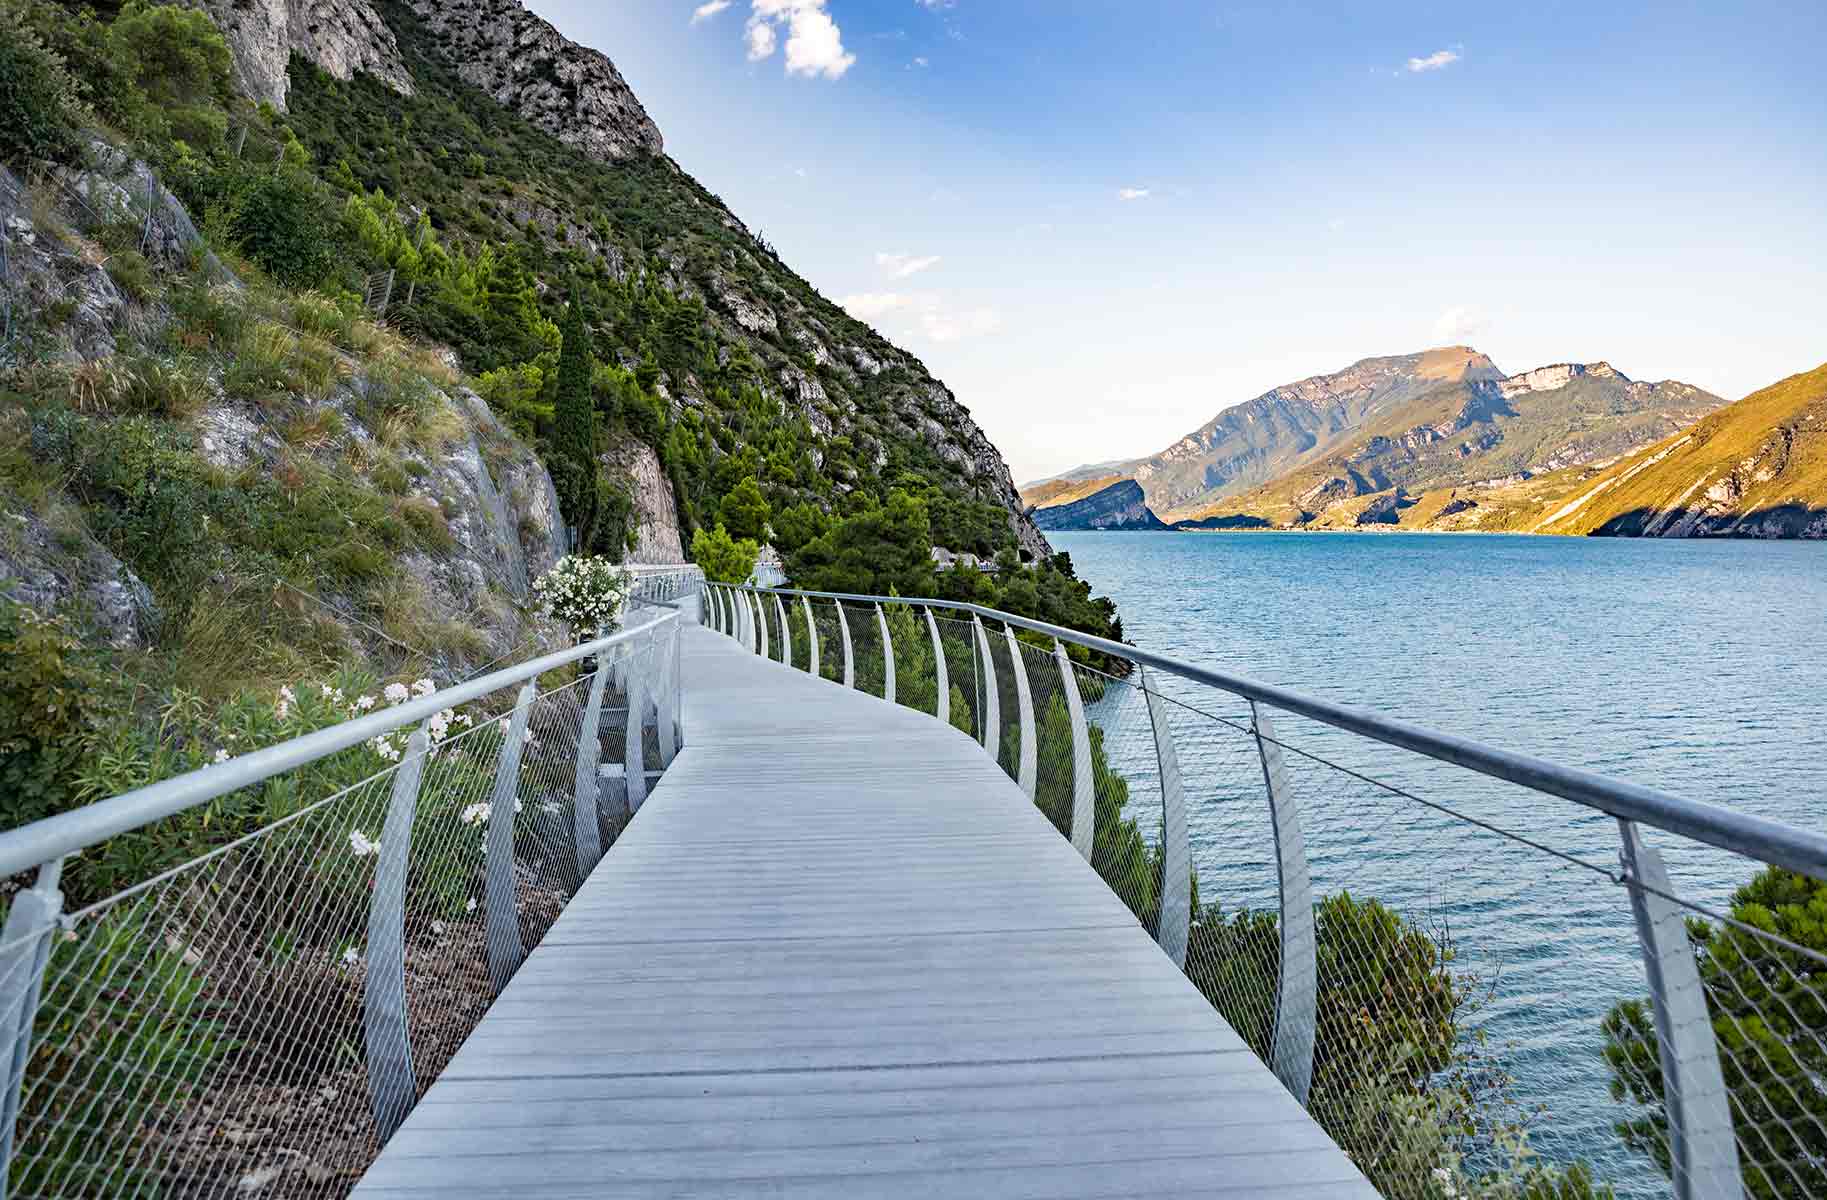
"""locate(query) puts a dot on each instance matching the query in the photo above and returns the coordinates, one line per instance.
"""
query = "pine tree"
(573, 464)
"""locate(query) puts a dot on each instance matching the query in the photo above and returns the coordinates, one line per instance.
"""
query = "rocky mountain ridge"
(1474, 433)
(1253, 442)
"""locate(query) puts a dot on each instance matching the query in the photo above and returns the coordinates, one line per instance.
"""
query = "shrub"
(723, 558)
(40, 117)
(585, 592)
(176, 69)
(48, 697)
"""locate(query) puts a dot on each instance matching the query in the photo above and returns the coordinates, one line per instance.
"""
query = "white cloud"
(705, 12)
(1132, 193)
(942, 326)
(815, 45)
(760, 38)
(1434, 62)
(927, 313)
(867, 306)
(900, 266)
(920, 60)
(1460, 324)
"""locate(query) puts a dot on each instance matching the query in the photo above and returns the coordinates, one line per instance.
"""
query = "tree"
(744, 511)
(1769, 1011)
(574, 468)
(878, 548)
(724, 559)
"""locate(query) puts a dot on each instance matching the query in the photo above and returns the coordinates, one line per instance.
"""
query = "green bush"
(40, 117)
(176, 71)
(723, 558)
(48, 706)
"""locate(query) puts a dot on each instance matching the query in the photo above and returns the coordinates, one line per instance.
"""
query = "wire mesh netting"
(225, 1026)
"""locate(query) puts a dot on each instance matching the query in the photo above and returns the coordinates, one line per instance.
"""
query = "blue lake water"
(1697, 667)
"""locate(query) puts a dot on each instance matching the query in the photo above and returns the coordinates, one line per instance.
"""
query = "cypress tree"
(574, 466)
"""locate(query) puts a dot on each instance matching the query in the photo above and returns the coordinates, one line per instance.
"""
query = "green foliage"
(49, 691)
(1768, 1008)
(40, 115)
(744, 512)
(880, 549)
(173, 68)
(279, 218)
(573, 459)
(723, 558)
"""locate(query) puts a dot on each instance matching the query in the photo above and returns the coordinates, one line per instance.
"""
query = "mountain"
(1754, 469)
(620, 214)
(1475, 434)
(279, 387)
(1117, 505)
(1252, 443)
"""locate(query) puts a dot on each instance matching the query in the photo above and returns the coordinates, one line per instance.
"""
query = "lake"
(1699, 667)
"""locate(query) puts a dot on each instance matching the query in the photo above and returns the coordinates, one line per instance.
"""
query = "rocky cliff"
(570, 91)
(341, 36)
(1118, 506)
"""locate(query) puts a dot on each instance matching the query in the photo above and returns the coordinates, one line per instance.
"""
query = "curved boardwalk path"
(839, 954)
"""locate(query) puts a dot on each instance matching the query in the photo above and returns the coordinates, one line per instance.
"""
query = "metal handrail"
(1774, 842)
(69, 832)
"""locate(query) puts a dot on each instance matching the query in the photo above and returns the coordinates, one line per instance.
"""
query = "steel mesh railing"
(1361, 900)
(258, 1018)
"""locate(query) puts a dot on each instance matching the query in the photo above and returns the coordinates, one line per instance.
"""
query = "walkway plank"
(839, 954)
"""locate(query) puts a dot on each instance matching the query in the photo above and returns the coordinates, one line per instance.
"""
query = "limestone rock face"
(572, 92)
(656, 513)
(1119, 506)
(341, 36)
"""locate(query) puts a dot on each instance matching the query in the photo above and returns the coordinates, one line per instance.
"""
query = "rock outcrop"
(341, 36)
(572, 92)
(1119, 506)
(656, 511)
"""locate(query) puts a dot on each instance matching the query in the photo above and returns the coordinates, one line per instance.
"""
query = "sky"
(1102, 222)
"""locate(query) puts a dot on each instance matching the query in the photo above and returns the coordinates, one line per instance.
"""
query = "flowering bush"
(585, 591)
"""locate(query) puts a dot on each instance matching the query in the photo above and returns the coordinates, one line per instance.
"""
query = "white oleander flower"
(360, 846)
(469, 905)
(221, 757)
(364, 703)
(423, 688)
(396, 693)
(475, 814)
(351, 958)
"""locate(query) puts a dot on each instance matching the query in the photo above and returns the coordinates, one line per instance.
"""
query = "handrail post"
(992, 703)
(1703, 1152)
(392, 1085)
(634, 753)
(1176, 854)
(666, 703)
(716, 607)
(761, 623)
(1027, 757)
(843, 629)
(786, 635)
(1291, 1047)
(25, 952)
(505, 950)
(586, 788)
(881, 621)
(943, 710)
(1084, 800)
(812, 634)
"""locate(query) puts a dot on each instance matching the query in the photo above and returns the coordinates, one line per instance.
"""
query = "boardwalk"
(839, 954)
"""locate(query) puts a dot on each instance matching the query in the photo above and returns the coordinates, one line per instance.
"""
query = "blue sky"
(1102, 222)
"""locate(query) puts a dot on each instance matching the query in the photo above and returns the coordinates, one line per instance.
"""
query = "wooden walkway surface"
(839, 954)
